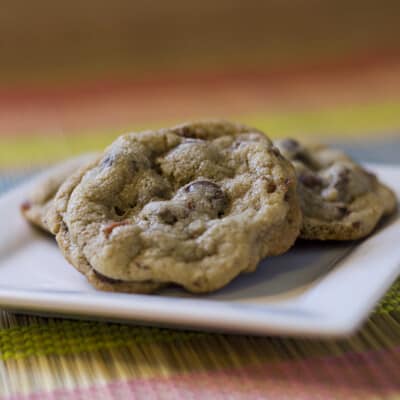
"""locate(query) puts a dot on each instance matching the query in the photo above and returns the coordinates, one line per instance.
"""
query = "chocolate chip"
(26, 205)
(202, 185)
(343, 210)
(119, 211)
(343, 177)
(207, 196)
(187, 132)
(167, 216)
(302, 157)
(310, 180)
(271, 187)
(134, 166)
(276, 151)
(290, 144)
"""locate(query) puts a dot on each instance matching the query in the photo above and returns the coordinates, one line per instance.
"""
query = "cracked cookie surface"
(340, 200)
(194, 205)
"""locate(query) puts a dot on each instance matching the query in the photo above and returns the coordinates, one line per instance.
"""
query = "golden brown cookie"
(340, 200)
(194, 205)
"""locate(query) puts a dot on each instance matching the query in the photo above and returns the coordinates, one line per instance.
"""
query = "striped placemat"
(48, 358)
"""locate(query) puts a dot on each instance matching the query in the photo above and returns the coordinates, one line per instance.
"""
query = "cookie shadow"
(286, 275)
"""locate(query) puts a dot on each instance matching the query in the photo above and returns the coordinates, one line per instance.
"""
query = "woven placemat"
(49, 358)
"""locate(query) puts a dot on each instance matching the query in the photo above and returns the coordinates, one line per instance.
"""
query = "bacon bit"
(26, 205)
(110, 227)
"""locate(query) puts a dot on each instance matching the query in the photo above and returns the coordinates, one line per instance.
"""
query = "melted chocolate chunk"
(119, 211)
(310, 180)
(271, 187)
(204, 186)
(290, 144)
(207, 196)
(187, 132)
(134, 166)
(343, 177)
(302, 157)
(343, 210)
(276, 151)
(167, 217)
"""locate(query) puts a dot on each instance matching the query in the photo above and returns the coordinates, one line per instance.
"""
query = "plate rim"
(208, 314)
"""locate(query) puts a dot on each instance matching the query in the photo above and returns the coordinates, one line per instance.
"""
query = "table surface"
(48, 358)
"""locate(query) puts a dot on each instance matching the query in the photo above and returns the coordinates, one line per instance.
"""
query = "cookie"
(340, 200)
(44, 211)
(39, 200)
(194, 205)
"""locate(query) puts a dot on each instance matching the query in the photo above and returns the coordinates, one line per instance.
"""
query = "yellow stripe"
(342, 122)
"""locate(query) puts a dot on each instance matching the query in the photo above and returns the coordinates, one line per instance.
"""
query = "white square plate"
(316, 289)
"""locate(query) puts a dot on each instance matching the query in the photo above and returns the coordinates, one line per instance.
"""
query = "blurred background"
(73, 75)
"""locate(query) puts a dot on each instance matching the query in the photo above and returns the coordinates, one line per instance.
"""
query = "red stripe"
(115, 105)
(350, 65)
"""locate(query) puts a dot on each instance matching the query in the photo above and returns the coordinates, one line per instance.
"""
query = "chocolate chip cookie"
(194, 205)
(40, 200)
(340, 200)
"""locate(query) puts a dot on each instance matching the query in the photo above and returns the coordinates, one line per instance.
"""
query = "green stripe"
(343, 122)
(391, 302)
(71, 337)
(340, 122)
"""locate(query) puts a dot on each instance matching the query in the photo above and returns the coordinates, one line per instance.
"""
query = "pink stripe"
(355, 376)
